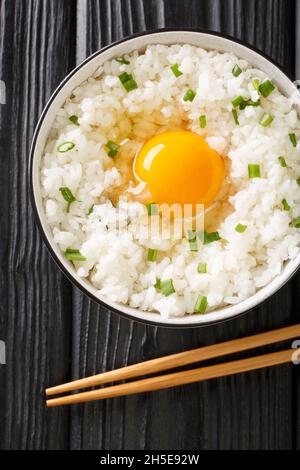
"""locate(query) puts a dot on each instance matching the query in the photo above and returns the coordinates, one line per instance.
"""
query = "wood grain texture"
(296, 280)
(53, 332)
(253, 411)
(35, 55)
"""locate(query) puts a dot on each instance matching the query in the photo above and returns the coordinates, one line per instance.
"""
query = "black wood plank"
(251, 411)
(296, 281)
(36, 52)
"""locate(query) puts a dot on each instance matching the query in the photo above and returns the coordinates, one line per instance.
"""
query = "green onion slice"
(91, 209)
(285, 204)
(74, 255)
(74, 120)
(253, 170)
(236, 71)
(242, 103)
(237, 101)
(189, 95)
(130, 85)
(125, 77)
(152, 209)
(167, 287)
(113, 149)
(296, 222)
(210, 237)
(122, 60)
(127, 81)
(249, 103)
(202, 268)
(203, 122)
(240, 228)
(152, 255)
(282, 162)
(255, 84)
(68, 196)
(201, 304)
(266, 119)
(235, 117)
(176, 70)
(293, 139)
(266, 88)
(158, 283)
(192, 237)
(65, 147)
(298, 181)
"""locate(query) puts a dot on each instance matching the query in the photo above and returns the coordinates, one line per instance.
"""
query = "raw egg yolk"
(179, 168)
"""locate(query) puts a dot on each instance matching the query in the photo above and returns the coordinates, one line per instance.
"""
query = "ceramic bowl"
(206, 40)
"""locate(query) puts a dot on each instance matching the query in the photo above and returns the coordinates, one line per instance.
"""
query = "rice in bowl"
(85, 189)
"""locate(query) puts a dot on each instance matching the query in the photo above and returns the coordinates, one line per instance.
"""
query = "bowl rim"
(54, 256)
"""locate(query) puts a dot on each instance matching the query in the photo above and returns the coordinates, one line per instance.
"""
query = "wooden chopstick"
(179, 378)
(180, 359)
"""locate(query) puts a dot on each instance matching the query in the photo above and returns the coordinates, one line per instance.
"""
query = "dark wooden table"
(53, 333)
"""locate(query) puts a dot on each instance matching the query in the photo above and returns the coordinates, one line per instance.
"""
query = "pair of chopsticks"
(178, 360)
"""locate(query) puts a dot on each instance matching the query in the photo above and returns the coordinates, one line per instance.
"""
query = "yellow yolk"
(179, 167)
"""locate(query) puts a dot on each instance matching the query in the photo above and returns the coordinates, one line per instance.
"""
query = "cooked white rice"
(116, 260)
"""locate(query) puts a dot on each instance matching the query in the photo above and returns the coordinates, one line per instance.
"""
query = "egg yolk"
(179, 167)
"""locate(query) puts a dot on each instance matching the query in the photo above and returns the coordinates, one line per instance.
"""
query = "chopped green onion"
(91, 210)
(127, 81)
(298, 181)
(235, 117)
(293, 139)
(152, 255)
(189, 95)
(152, 209)
(255, 84)
(130, 85)
(201, 304)
(253, 170)
(282, 162)
(65, 147)
(249, 103)
(192, 236)
(240, 228)
(266, 88)
(74, 120)
(202, 268)
(266, 120)
(285, 204)
(202, 120)
(176, 70)
(113, 149)
(167, 287)
(68, 196)
(158, 283)
(236, 71)
(72, 250)
(74, 255)
(242, 103)
(124, 77)
(121, 60)
(296, 222)
(210, 237)
(237, 101)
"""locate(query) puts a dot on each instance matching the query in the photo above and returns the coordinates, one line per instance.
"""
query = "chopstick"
(180, 359)
(179, 378)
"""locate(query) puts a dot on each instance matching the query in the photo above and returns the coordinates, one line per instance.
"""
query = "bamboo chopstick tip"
(49, 404)
(52, 402)
(52, 391)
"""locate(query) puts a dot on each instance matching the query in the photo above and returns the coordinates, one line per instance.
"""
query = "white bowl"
(206, 40)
